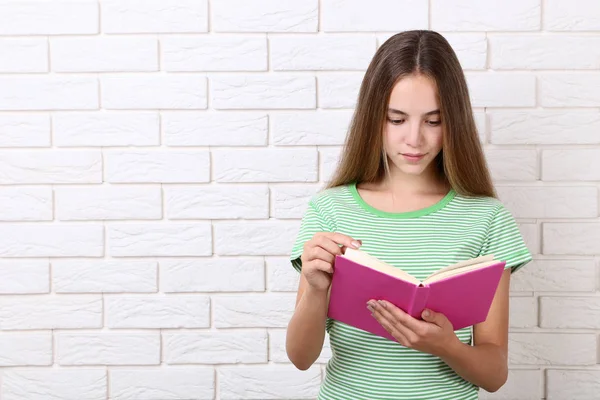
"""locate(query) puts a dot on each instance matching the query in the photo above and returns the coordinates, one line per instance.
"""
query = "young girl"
(412, 189)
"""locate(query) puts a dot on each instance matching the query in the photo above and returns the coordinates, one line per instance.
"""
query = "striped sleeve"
(312, 222)
(505, 242)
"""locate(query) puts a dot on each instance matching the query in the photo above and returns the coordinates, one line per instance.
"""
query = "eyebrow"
(394, 111)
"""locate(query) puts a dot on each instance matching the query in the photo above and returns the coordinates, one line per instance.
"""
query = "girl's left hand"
(433, 335)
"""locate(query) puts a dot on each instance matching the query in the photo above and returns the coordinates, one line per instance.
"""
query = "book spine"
(419, 301)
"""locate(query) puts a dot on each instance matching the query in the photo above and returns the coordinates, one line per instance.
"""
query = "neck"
(428, 182)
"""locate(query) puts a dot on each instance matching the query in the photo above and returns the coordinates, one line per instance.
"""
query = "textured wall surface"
(156, 156)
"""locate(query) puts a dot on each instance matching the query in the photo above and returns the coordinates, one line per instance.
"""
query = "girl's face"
(413, 130)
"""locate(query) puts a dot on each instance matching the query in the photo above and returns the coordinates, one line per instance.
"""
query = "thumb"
(433, 317)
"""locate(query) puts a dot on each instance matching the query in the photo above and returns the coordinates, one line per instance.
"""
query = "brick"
(473, 15)
(108, 203)
(269, 238)
(106, 129)
(264, 310)
(154, 16)
(544, 127)
(188, 382)
(500, 89)
(522, 384)
(25, 203)
(541, 349)
(470, 48)
(558, 202)
(291, 201)
(512, 165)
(51, 240)
(103, 54)
(559, 89)
(24, 130)
(317, 52)
(216, 347)
(523, 312)
(481, 124)
(263, 92)
(197, 53)
(549, 276)
(576, 15)
(539, 51)
(338, 89)
(310, 128)
(570, 312)
(572, 384)
(48, 92)
(50, 312)
(265, 16)
(223, 201)
(571, 165)
(258, 165)
(20, 277)
(157, 311)
(108, 348)
(157, 166)
(215, 128)
(151, 91)
(23, 54)
(281, 277)
(26, 348)
(531, 236)
(380, 16)
(328, 160)
(56, 166)
(52, 383)
(277, 351)
(212, 275)
(160, 239)
(104, 276)
(58, 17)
(268, 382)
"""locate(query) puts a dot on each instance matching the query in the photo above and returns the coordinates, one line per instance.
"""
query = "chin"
(412, 170)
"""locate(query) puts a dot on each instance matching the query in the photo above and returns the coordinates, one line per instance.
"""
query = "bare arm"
(486, 363)
(306, 330)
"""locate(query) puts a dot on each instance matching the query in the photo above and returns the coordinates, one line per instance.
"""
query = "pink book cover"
(465, 299)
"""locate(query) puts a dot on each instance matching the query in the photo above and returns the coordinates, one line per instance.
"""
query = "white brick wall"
(156, 156)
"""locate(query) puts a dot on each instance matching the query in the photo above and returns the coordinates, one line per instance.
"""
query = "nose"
(413, 136)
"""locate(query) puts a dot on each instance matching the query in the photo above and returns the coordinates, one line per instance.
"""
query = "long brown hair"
(461, 162)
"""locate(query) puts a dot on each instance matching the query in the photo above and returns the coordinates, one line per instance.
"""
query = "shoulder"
(479, 204)
(327, 199)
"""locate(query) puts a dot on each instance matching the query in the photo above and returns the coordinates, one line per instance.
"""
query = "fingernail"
(426, 313)
(382, 303)
(355, 244)
(370, 308)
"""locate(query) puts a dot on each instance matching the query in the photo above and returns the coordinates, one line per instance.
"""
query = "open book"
(463, 292)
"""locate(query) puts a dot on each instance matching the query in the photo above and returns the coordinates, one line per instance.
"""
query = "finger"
(323, 266)
(396, 314)
(399, 318)
(327, 244)
(389, 326)
(344, 240)
(319, 253)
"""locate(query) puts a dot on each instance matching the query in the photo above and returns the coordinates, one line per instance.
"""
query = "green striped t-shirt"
(366, 366)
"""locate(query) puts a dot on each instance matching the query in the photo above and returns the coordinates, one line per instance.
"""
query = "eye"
(396, 121)
(434, 123)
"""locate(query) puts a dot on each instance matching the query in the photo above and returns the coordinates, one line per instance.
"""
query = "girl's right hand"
(319, 254)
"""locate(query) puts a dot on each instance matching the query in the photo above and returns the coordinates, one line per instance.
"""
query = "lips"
(413, 157)
(413, 154)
